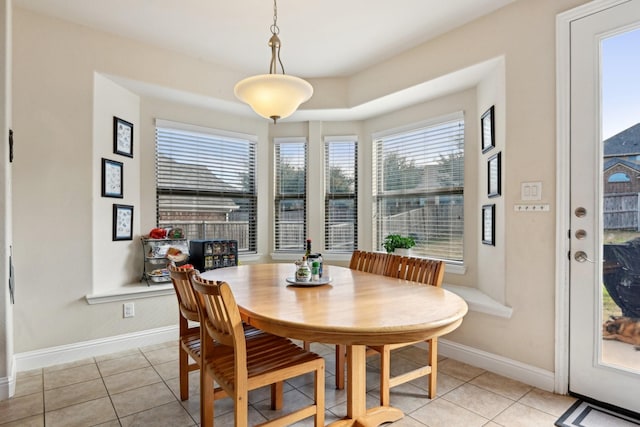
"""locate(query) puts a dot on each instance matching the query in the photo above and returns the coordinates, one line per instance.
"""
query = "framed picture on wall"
(489, 224)
(122, 137)
(487, 130)
(493, 176)
(122, 222)
(111, 178)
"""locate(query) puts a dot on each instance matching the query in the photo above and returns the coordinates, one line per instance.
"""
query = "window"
(619, 177)
(290, 194)
(205, 183)
(341, 189)
(418, 187)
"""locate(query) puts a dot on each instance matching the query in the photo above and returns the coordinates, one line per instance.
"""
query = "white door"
(605, 174)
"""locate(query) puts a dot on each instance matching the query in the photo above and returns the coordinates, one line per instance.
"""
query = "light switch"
(531, 191)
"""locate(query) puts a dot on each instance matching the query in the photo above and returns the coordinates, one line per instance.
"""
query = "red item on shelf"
(158, 233)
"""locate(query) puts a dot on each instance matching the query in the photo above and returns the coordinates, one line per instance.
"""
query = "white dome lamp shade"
(274, 96)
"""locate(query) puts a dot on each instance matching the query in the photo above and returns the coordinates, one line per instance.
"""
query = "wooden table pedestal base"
(357, 413)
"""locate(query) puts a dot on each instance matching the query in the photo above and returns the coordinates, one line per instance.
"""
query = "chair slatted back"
(421, 270)
(357, 260)
(410, 268)
(187, 300)
(370, 262)
(377, 263)
(393, 266)
(432, 272)
(220, 314)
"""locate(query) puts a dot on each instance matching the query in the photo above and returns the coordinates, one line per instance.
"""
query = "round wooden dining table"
(355, 309)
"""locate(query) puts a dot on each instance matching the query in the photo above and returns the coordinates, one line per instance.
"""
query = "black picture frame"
(122, 137)
(112, 178)
(122, 222)
(487, 129)
(494, 176)
(489, 224)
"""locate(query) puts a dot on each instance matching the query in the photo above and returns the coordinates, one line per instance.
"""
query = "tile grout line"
(167, 385)
(44, 409)
(108, 392)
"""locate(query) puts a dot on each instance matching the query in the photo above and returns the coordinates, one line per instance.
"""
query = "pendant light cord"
(274, 42)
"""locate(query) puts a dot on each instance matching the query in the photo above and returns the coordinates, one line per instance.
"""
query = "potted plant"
(396, 241)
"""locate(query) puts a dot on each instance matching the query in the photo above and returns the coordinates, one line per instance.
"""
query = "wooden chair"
(189, 334)
(189, 339)
(239, 365)
(429, 272)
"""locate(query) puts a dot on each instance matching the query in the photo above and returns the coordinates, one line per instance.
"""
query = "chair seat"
(265, 354)
(191, 344)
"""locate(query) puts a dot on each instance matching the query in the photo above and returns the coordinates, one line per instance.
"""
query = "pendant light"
(274, 96)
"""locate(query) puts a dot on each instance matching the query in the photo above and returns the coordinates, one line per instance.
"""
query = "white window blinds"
(419, 187)
(290, 225)
(205, 183)
(341, 189)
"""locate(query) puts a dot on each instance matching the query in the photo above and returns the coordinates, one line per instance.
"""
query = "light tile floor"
(139, 387)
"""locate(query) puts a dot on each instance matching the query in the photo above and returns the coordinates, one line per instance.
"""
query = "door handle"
(581, 256)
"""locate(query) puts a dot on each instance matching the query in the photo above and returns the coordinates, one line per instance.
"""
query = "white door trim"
(563, 113)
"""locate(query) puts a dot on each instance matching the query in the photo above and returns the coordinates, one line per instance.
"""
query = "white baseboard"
(500, 365)
(82, 350)
(8, 385)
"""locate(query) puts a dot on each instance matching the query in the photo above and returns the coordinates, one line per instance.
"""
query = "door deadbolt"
(580, 234)
(581, 212)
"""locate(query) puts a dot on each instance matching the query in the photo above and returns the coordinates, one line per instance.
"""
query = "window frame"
(249, 197)
(279, 197)
(328, 196)
(452, 191)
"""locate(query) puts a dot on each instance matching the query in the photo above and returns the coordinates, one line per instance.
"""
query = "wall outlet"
(128, 309)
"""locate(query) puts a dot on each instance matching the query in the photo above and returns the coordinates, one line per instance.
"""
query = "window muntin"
(341, 190)
(290, 203)
(419, 187)
(206, 183)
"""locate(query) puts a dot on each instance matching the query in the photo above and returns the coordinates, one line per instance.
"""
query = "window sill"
(129, 292)
(455, 268)
(480, 302)
(326, 256)
(249, 258)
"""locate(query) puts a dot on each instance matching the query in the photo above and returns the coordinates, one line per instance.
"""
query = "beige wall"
(55, 168)
(114, 263)
(6, 309)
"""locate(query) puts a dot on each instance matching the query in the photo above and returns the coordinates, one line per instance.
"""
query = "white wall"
(114, 263)
(54, 191)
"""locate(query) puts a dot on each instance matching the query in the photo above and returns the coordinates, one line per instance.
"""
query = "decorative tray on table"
(322, 281)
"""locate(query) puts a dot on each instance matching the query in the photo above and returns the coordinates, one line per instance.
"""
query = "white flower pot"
(402, 252)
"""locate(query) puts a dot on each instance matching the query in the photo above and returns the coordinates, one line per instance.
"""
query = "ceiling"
(320, 38)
